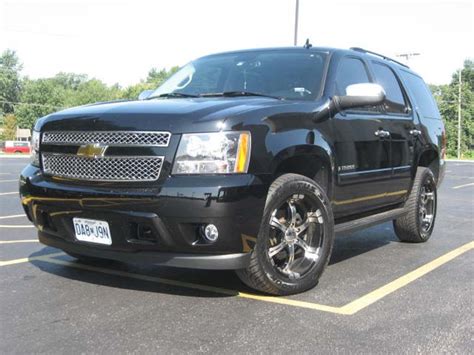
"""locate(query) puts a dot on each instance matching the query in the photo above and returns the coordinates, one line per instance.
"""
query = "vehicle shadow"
(227, 282)
(361, 242)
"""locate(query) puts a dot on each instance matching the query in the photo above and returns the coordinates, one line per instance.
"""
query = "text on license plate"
(93, 231)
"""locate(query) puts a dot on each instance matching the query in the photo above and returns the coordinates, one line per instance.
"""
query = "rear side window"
(395, 101)
(350, 71)
(424, 100)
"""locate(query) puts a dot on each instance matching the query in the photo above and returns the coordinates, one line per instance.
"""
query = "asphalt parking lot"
(377, 295)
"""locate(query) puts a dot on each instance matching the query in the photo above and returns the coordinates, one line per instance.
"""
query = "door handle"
(382, 133)
(415, 132)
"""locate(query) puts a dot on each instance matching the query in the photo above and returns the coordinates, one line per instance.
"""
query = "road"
(377, 295)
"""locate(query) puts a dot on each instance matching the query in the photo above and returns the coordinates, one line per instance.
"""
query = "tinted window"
(424, 100)
(350, 71)
(395, 101)
(286, 74)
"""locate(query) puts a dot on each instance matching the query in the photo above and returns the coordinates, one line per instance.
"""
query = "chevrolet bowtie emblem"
(95, 150)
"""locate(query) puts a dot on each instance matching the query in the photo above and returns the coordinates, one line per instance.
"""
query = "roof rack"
(362, 50)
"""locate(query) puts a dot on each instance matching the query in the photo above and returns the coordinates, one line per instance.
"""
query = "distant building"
(23, 134)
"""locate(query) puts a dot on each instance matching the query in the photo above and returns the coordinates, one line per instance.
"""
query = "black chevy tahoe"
(249, 160)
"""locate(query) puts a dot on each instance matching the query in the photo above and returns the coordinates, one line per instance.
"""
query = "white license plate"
(93, 231)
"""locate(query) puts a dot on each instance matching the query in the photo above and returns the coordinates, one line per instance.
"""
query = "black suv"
(249, 160)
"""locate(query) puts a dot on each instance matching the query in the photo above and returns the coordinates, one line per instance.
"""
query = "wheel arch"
(429, 158)
(311, 161)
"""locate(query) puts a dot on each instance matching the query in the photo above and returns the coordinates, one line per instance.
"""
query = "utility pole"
(296, 21)
(459, 115)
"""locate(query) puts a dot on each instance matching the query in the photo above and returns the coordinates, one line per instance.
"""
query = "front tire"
(295, 239)
(417, 225)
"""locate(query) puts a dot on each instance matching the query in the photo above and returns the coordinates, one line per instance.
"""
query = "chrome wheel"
(427, 207)
(297, 234)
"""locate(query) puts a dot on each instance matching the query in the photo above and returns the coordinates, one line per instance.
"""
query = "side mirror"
(359, 95)
(145, 94)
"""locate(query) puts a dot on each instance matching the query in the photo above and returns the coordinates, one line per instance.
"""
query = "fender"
(320, 150)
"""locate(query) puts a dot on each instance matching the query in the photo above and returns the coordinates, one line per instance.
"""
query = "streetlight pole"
(459, 115)
(296, 22)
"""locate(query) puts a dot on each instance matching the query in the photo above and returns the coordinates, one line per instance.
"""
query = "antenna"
(307, 45)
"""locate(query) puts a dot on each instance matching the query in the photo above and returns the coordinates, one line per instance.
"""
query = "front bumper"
(152, 224)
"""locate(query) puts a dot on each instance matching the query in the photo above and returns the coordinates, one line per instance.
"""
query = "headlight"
(35, 143)
(213, 153)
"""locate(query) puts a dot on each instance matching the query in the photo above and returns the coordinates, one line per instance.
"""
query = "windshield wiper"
(239, 93)
(172, 94)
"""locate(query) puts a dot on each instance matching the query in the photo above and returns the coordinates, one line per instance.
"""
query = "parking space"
(377, 295)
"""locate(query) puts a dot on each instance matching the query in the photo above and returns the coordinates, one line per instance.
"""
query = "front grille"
(117, 138)
(107, 168)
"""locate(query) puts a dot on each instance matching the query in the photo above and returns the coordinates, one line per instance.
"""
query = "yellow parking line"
(374, 296)
(13, 216)
(348, 309)
(194, 286)
(465, 185)
(19, 241)
(17, 226)
(25, 260)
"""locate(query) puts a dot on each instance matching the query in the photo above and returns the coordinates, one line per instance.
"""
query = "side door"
(362, 147)
(398, 112)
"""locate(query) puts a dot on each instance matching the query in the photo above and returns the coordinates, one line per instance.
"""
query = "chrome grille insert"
(111, 138)
(107, 168)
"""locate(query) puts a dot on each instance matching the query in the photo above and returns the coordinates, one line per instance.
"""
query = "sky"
(118, 41)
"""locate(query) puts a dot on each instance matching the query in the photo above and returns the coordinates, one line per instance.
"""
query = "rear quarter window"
(424, 100)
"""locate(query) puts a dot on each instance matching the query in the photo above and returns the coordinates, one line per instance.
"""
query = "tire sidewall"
(427, 176)
(276, 199)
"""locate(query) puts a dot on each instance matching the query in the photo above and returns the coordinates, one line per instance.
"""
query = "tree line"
(23, 100)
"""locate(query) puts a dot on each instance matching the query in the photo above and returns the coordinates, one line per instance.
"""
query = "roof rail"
(362, 50)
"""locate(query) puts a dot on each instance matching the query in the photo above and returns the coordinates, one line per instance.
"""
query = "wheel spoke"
(429, 196)
(301, 243)
(303, 227)
(275, 222)
(293, 212)
(291, 259)
(276, 249)
(309, 252)
(427, 219)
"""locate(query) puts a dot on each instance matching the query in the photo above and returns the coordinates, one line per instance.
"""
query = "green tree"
(157, 77)
(154, 79)
(90, 91)
(9, 127)
(39, 97)
(10, 83)
(447, 99)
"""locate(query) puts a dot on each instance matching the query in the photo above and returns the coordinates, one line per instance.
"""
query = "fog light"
(211, 233)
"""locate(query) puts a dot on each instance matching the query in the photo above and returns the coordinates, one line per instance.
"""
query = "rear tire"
(295, 240)
(417, 225)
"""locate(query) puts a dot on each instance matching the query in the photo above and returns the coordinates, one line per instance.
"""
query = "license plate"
(92, 231)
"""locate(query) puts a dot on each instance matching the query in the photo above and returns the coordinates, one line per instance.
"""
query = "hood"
(174, 115)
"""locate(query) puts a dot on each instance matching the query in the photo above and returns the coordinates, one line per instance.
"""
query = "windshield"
(288, 75)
